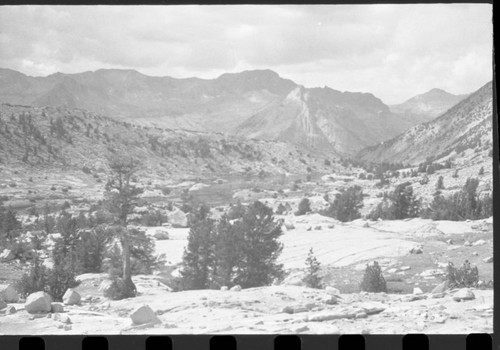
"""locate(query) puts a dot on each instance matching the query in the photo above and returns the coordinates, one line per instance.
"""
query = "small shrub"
(281, 209)
(312, 278)
(304, 207)
(464, 276)
(439, 183)
(116, 290)
(373, 280)
(86, 169)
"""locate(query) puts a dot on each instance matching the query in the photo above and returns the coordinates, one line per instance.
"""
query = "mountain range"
(253, 104)
(466, 127)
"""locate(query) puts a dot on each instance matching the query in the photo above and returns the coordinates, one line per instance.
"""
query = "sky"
(392, 51)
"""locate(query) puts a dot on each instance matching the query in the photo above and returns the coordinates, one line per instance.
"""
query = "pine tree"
(198, 260)
(312, 278)
(373, 280)
(346, 205)
(121, 197)
(261, 247)
(228, 252)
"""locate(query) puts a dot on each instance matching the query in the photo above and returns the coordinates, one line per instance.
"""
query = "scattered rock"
(10, 310)
(488, 259)
(416, 250)
(309, 228)
(392, 270)
(144, 314)
(404, 268)
(67, 327)
(366, 225)
(224, 288)
(331, 316)
(287, 310)
(440, 288)
(56, 307)
(301, 329)
(161, 235)
(479, 242)
(38, 302)
(417, 291)
(71, 297)
(372, 308)
(361, 315)
(331, 301)
(467, 244)
(475, 253)
(463, 294)
(332, 290)
(289, 226)
(409, 298)
(317, 227)
(8, 293)
(6, 255)
(331, 226)
(437, 295)
(449, 241)
(62, 318)
(236, 288)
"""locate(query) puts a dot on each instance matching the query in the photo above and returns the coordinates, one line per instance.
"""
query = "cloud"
(393, 51)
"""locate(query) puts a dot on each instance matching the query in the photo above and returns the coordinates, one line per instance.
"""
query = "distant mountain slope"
(466, 126)
(253, 104)
(62, 138)
(344, 122)
(428, 106)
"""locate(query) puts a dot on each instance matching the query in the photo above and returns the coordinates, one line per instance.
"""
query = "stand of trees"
(239, 251)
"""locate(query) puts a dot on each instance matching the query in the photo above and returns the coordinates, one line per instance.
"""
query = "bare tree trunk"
(129, 289)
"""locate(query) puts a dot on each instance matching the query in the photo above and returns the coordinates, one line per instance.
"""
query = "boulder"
(236, 288)
(71, 297)
(224, 288)
(289, 226)
(463, 294)
(62, 318)
(449, 241)
(177, 218)
(10, 310)
(417, 291)
(144, 314)
(416, 250)
(479, 242)
(317, 227)
(38, 302)
(6, 255)
(56, 307)
(331, 300)
(8, 293)
(440, 288)
(332, 290)
(467, 244)
(161, 235)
